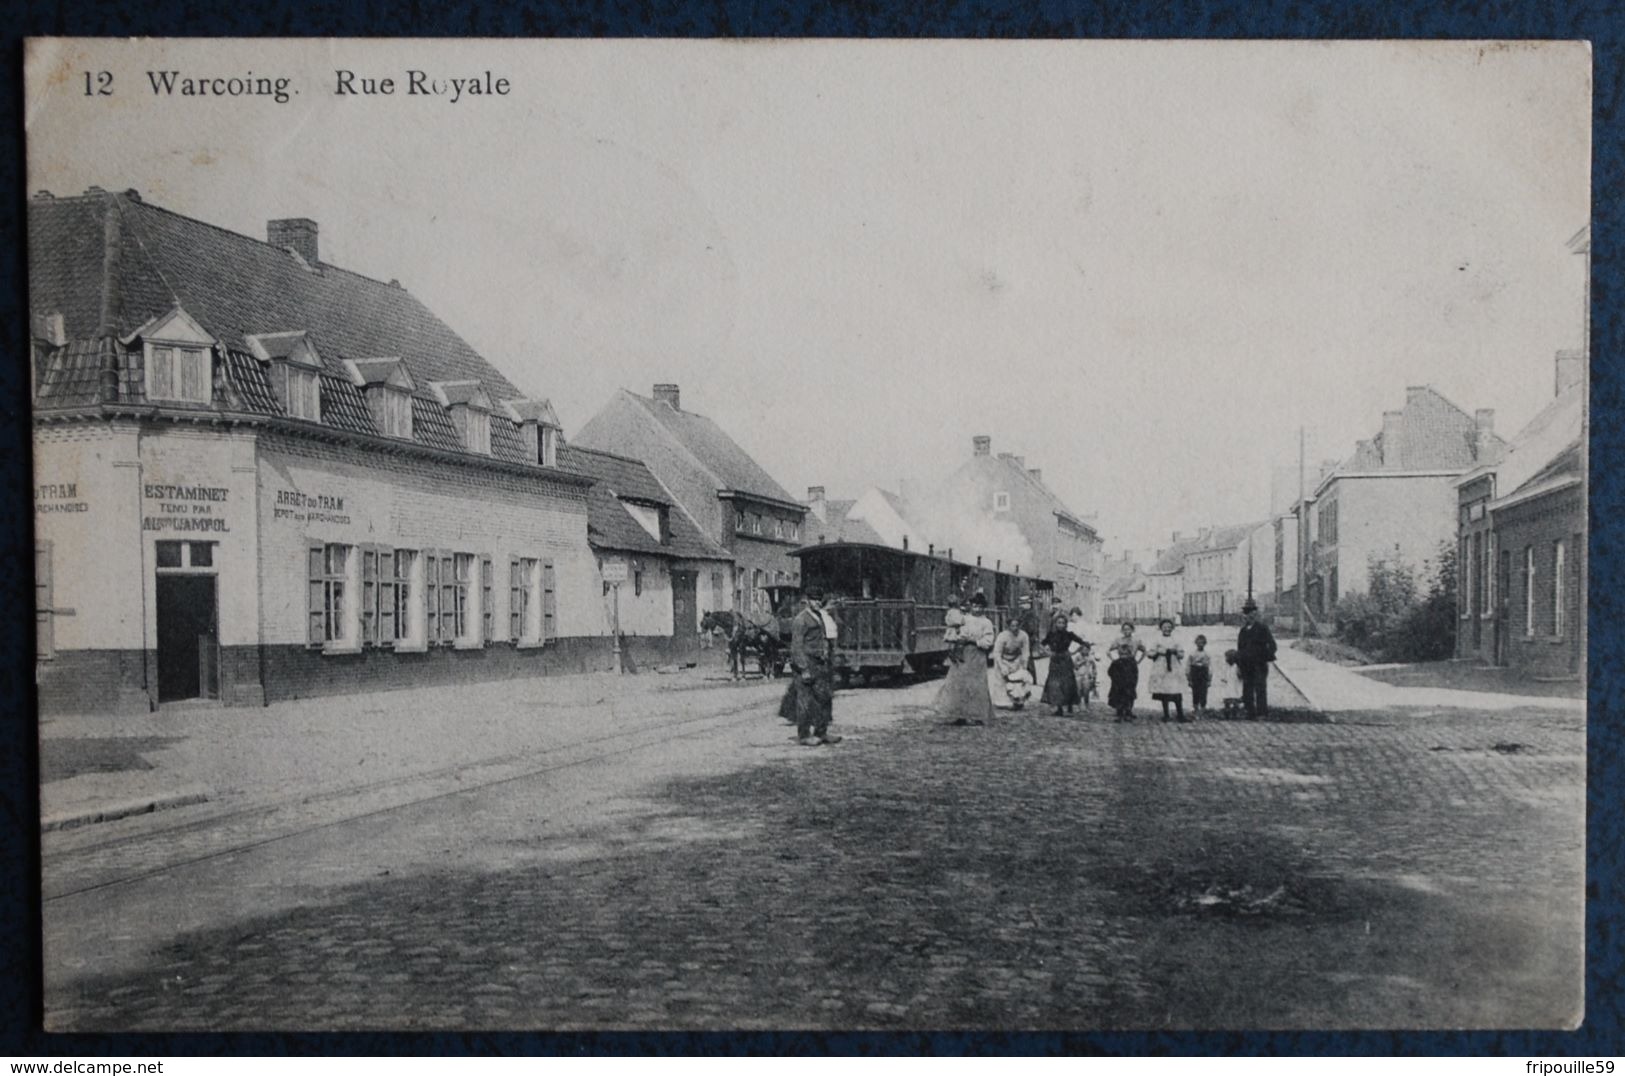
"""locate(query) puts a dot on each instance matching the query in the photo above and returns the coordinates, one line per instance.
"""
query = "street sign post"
(614, 572)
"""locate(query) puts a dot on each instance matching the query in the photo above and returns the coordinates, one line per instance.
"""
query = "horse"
(746, 639)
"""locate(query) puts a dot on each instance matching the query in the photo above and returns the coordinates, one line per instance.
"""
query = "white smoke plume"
(954, 518)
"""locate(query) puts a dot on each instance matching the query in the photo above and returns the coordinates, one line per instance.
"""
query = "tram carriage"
(890, 602)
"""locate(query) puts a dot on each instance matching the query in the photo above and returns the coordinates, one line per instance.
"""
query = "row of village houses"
(1515, 510)
(260, 476)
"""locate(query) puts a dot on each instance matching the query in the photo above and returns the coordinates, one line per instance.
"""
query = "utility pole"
(1302, 513)
(620, 665)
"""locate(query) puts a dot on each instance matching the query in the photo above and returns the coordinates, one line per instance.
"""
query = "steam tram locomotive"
(890, 602)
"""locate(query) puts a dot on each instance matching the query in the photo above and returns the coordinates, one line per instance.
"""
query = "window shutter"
(44, 604)
(516, 623)
(548, 600)
(318, 615)
(487, 609)
(431, 595)
(369, 595)
(386, 596)
(448, 597)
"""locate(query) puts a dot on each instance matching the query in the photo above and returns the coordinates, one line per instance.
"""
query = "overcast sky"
(1140, 265)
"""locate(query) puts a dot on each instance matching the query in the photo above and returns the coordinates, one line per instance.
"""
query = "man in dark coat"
(1255, 650)
(812, 645)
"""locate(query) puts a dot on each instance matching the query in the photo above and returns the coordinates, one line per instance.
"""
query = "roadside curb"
(114, 811)
(1296, 686)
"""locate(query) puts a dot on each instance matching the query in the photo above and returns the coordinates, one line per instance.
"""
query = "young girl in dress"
(1124, 672)
(1168, 671)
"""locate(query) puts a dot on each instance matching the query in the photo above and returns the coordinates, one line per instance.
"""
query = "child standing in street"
(1168, 671)
(1124, 672)
(1199, 672)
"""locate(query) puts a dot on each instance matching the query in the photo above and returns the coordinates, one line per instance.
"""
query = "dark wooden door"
(685, 622)
(1503, 605)
(186, 636)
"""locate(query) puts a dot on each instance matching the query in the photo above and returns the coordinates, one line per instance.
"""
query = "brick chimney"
(1570, 369)
(1037, 473)
(668, 394)
(981, 446)
(815, 494)
(1483, 431)
(295, 233)
(1393, 439)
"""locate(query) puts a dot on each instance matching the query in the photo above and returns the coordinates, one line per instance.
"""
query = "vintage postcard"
(810, 534)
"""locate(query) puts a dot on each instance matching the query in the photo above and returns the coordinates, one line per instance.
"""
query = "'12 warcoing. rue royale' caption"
(410, 83)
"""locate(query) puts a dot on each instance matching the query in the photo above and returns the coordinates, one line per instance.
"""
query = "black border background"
(1601, 23)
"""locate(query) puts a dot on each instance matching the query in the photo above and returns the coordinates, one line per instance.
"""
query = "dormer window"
(179, 373)
(470, 411)
(295, 371)
(178, 358)
(538, 429)
(387, 387)
(477, 432)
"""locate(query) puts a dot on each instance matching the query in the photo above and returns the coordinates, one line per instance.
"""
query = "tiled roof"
(837, 526)
(343, 407)
(1172, 560)
(610, 526)
(72, 378)
(1433, 435)
(432, 426)
(626, 476)
(1129, 584)
(251, 384)
(1227, 537)
(731, 464)
(1542, 443)
(143, 262)
(231, 284)
(506, 441)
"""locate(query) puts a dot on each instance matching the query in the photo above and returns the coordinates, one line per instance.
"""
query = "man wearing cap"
(812, 645)
(1255, 650)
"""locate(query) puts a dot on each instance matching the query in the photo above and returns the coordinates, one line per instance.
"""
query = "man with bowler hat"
(1255, 650)
(812, 646)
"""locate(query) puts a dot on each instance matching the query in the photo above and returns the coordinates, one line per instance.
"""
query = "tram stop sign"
(614, 571)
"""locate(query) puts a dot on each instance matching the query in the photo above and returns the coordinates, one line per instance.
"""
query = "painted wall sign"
(52, 497)
(184, 508)
(300, 507)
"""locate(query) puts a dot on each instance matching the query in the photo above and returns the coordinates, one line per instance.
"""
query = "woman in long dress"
(1061, 682)
(964, 698)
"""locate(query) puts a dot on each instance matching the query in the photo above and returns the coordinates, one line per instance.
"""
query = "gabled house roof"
(1545, 453)
(611, 526)
(1223, 538)
(835, 525)
(1431, 434)
(1172, 560)
(1542, 440)
(1132, 583)
(111, 263)
(731, 467)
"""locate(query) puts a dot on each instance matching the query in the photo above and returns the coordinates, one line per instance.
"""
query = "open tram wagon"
(890, 602)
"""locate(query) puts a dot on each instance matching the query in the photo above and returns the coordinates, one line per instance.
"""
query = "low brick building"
(672, 569)
(735, 501)
(1394, 499)
(260, 476)
(1521, 542)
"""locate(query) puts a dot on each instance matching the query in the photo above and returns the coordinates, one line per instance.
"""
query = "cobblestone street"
(1398, 869)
